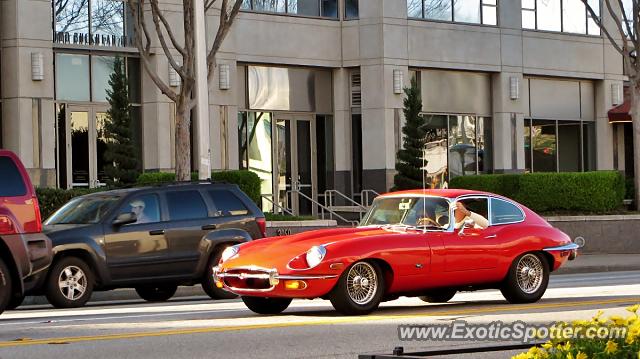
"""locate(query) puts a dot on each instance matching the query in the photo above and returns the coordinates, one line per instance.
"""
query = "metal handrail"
(330, 193)
(288, 211)
(364, 196)
(322, 207)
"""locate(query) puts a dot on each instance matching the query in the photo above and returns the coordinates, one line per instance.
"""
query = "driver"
(137, 207)
(462, 213)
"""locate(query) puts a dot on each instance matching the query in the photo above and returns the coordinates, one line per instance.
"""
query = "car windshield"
(83, 210)
(426, 212)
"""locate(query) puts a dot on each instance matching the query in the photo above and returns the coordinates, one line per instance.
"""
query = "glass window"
(351, 9)
(135, 82)
(435, 153)
(489, 12)
(569, 146)
(589, 146)
(304, 7)
(438, 10)
(269, 5)
(544, 146)
(72, 77)
(527, 145)
(592, 27)
(411, 211)
(484, 143)
(462, 146)
(227, 203)
(146, 208)
(101, 69)
(324, 8)
(11, 182)
(466, 11)
(478, 206)
(414, 8)
(572, 16)
(71, 16)
(503, 212)
(107, 19)
(185, 205)
(84, 210)
(549, 15)
(329, 8)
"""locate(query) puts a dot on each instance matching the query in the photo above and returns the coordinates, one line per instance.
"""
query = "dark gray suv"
(152, 239)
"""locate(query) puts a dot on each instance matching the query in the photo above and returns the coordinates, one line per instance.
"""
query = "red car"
(25, 252)
(424, 243)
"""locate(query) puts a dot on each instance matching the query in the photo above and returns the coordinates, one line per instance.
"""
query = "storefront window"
(91, 22)
(315, 8)
(255, 146)
(101, 70)
(464, 11)
(560, 15)
(559, 146)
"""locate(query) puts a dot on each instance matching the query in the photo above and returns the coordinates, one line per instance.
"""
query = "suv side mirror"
(125, 218)
(468, 223)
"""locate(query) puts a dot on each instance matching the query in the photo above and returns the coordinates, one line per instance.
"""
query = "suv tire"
(70, 283)
(5, 286)
(208, 284)
(156, 293)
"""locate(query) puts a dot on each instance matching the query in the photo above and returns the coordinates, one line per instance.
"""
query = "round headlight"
(315, 255)
(228, 253)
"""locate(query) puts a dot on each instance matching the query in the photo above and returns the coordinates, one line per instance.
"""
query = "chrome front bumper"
(572, 248)
(271, 275)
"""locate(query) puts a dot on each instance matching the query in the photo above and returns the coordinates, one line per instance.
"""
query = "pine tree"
(409, 158)
(121, 154)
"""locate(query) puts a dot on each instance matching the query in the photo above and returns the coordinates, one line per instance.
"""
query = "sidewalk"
(588, 263)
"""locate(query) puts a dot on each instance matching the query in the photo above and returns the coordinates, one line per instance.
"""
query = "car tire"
(5, 286)
(527, 279)
(156, 293)
(208, 285)
(359, 290)
(15, 301)
(439, 296)
(264, 305)
(70, 283)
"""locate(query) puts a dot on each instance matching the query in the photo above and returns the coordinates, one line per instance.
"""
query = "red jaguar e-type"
(425, 243)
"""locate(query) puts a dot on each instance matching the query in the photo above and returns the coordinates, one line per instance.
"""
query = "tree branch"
(208, 4)
(630, 33)
(226, 20)
(598, 21)
(167, 27)
(156, 14)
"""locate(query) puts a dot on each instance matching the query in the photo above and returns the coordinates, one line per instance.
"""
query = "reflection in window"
(107, 18)
(316, 8)
(72, 77)
(254, 141)
(462, 145)
(91, 22)
(465, 11)
(101, 69)
(559, 146)
(556, 15)
(71, 15)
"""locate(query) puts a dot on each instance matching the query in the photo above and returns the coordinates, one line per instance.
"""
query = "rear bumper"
(30, 252)
(315, 285)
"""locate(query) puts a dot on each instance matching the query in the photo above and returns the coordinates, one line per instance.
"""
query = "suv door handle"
(209, 227)
(491, 236)
(158, 232)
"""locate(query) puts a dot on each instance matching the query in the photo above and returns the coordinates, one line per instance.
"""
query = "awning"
(621, 113)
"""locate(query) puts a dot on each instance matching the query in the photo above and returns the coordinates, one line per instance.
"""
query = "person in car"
(462, 214)
(137, 207)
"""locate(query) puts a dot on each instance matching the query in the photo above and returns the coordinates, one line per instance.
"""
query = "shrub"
(50, 199)
(619, 346)
(594, 192)
(248, 181)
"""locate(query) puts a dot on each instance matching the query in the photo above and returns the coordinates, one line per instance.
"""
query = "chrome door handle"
(491, 236)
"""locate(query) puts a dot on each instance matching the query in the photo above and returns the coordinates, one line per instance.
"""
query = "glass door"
(295, 174)
(85, 146)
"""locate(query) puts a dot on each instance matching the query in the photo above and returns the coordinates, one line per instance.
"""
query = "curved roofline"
(447, 193)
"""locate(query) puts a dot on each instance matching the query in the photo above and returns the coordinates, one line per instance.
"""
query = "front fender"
(91, 251)
(214, 240)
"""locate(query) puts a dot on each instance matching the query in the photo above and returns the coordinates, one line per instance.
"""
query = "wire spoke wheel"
(362, 283)
(72, 282)
(529, 273)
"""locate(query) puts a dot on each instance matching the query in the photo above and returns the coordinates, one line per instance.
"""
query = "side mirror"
(125, 218)
(468, 223)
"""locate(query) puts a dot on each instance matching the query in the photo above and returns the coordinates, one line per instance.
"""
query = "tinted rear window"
(11, 182)
(227, 203)
(186, 205)
(503, 212)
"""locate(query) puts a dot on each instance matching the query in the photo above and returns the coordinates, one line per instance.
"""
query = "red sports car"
(424, 243)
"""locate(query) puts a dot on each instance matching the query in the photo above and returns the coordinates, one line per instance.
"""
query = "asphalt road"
(200, 328)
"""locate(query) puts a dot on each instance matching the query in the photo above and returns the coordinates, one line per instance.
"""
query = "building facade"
(309, 93)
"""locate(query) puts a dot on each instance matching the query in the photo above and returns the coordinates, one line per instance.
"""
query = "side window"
(11, 182)
(503, 212)
(146, 207)
(227, 203)
(186, 205)
(477, 205)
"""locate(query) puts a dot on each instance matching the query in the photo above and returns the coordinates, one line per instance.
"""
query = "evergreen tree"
(121, 154)
(409, 158)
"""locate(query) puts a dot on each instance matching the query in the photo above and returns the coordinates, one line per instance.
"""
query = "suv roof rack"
(178, 183)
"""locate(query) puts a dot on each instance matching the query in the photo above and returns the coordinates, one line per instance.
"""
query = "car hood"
(58, 231)
(276, 252)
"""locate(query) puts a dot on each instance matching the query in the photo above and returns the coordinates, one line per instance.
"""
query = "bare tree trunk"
(183, 143)
(635, 116)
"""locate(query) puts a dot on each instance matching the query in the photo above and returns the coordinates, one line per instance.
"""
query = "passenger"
(137, 207)
(462, 213)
